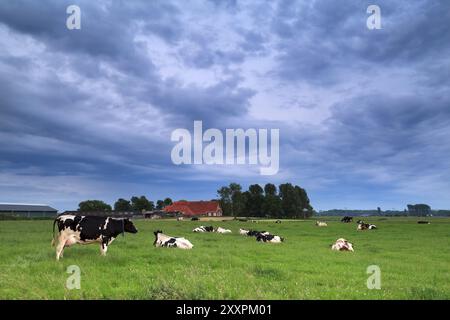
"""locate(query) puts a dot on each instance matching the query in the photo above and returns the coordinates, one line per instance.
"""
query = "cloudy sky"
(364, 115)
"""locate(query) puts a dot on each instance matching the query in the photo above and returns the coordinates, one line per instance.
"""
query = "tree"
(272, 203)
(295, 201)
(160, 205)
(142, 204)
(224, 194)
(93, 205)
(287, 196)
(307, 209)
(255, 200)
(122, 205)
(167, 202)
(290, 201)
(238, 203)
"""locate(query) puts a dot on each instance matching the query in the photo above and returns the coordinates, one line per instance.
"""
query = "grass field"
(414, 261)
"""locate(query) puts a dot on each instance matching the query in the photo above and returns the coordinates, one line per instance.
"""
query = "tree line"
(136, 204)
(286, 201)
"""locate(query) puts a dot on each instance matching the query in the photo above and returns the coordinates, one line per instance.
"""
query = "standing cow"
(74, 229)
(347, 219)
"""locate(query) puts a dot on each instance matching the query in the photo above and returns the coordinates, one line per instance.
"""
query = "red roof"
(191, 208)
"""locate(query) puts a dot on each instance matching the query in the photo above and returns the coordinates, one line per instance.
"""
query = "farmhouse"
(27, 210)
(195, 208)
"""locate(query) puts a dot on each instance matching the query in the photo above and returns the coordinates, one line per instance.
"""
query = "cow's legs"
(104, 247)
(60, 246)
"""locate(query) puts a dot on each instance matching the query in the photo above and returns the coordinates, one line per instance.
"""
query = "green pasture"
(414, 261)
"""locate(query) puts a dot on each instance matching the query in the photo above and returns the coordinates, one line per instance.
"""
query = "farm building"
(195, 208)
(27, 210)
(115, 214)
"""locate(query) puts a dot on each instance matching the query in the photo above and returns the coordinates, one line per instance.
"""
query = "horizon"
(363, 114)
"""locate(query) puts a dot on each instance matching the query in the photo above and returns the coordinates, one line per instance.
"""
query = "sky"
(363, 114)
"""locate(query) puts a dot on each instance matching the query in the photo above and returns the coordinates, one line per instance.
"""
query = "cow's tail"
(53, 239)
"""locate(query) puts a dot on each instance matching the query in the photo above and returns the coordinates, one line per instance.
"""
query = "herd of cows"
(73, 229)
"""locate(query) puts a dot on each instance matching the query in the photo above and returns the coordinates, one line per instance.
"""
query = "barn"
(27, 210)
(195, 208)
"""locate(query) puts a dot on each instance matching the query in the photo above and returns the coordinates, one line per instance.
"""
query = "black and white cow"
(269, 238)
(252, 233)
(204, 229)
(163, 240)
(74, 229)
(347, 219)
(365, 226)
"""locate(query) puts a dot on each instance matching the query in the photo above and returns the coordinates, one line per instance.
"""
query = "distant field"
(414, 261)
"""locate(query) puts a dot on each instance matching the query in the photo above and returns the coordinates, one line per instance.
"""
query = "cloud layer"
(364, 115)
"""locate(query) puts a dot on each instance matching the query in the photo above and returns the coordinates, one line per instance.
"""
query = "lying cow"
(269, 238)
(89, 229)
(163, 240)
(365, 226)
(243, 232)
(342, 245)
(423, 222)
(252, 233)
(321, 224)
(204, 229)
(347, 219)
(222, 230)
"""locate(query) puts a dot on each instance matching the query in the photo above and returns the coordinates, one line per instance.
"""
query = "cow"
(204, 229)
(74, 229)
(342, 245)
(423, 222)
(321, 224)
(347, 219)
(254, 233)
(222, 230)
(365, 226)
(269, 238)
(163, 240)
(243, 232)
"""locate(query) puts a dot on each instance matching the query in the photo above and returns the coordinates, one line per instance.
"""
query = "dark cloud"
(322, 41)
(88, 113)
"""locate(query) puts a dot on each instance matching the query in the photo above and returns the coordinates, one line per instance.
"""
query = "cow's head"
(156, 236)
(128, 226)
